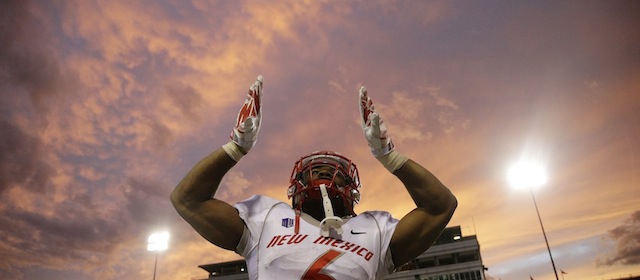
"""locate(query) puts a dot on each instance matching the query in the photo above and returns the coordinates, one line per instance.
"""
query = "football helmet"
(340, 181)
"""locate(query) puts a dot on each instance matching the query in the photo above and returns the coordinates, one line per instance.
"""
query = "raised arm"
(193, 197)
(435, 204)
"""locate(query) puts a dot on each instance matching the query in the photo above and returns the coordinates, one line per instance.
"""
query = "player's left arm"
(435, 203)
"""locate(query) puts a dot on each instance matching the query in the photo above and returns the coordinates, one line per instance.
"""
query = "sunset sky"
(105, 105)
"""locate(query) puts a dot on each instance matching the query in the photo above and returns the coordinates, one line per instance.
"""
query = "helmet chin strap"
(330, 221)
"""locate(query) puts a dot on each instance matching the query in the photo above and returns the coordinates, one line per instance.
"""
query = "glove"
(379, 140)
(245, 133)
(373, 127)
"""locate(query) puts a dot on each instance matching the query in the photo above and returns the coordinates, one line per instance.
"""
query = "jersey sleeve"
(253, 212)
(387, 225)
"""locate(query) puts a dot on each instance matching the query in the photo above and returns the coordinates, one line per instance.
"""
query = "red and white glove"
(373, 127)
(377, 136)
(245, 132)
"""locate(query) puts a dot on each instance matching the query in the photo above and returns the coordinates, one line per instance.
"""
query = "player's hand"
(245, 133)
(373, 127)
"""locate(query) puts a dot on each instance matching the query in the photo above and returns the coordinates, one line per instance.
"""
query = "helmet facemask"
(328, 180)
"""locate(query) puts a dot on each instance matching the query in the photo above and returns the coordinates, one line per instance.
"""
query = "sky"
(105, 105)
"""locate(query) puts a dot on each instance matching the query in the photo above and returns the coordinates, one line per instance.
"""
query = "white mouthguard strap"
(326, 202)
(330, 221)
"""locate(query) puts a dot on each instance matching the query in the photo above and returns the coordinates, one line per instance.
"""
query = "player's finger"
(248, 125)
(256, 94)
(363, 91)
(375, 124)
(366, 107)
(362, 97)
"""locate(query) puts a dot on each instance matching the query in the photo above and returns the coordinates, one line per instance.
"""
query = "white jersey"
(272, 250)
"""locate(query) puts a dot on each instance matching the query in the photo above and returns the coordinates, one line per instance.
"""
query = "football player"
(318, 235)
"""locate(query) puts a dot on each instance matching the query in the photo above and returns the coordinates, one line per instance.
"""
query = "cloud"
(422, 114)
(58, 233)
(89, 228)
(627, 237)
(21, 160)
(234, 185)
(105, 105)
(30, 61)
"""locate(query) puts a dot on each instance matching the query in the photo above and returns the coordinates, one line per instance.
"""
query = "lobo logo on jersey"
(287, 222)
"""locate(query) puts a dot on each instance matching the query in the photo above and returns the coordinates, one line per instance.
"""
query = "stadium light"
(525, 174)
(157, 242)
(531, 175)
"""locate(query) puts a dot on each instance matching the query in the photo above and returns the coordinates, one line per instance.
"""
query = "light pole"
(157, 242)
(531, 175)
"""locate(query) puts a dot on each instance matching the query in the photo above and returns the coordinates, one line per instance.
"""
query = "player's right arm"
(193, 198)
(214, 219)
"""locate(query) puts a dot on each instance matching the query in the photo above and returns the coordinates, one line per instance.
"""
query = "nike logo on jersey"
(357, 232)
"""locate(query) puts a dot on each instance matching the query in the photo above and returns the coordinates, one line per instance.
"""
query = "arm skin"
(417, 231)
(215, 220)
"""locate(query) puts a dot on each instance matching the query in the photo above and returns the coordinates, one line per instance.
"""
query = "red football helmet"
(343, 183)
